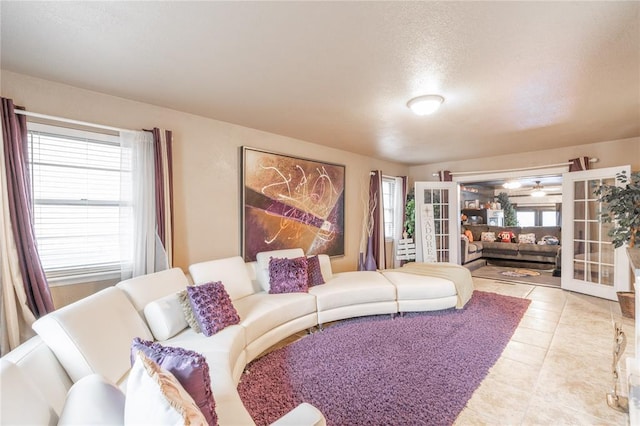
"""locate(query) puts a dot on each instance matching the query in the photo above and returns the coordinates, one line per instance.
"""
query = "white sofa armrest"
(93, 401)
(304, 414)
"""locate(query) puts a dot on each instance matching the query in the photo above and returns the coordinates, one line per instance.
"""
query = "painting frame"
(291, 202)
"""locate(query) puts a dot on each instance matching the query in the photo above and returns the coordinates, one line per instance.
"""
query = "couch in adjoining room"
(540, 244)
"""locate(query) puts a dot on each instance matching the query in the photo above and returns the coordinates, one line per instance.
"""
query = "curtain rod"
(70, 121)
(548, 166)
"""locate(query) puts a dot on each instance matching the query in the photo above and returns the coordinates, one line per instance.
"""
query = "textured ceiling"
(517, 76)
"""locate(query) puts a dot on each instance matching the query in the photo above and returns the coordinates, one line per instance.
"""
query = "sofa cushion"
(190, 318)
(188, 367)
(539, 249)
(498, 247)
(38, 362)
(230, 342)
(93, 401)
(21, 400)
(94, 334)
(155, 396)
(262, 312)
(147, 288)
(473, 248)
(165, 316)
(212, 307)
(356, 287)
(288, 275)
(262, 263)
(420, 287)
(314, 271)
(325, 267)
(231, 271)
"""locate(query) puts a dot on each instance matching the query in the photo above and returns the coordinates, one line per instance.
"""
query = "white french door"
(590, 263)
(437, 231)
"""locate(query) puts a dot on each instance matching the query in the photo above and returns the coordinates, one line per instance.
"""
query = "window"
(526, 218)
(533, 216)
(75, 178)
(549, 218)
(388, 201)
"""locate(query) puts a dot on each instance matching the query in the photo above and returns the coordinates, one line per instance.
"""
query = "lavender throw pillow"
(314, 274)
(288, 275)
(212, 307)
(189, 367)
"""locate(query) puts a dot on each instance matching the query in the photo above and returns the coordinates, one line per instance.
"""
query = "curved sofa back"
(94, 334)
(145, 289)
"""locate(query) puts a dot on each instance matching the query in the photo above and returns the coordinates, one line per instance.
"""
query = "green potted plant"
(410, 214)
(621, 208)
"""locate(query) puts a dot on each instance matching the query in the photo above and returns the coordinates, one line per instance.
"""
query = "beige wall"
(206, 164)
(610, 153)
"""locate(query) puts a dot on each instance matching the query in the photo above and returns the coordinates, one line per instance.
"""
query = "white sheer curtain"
(15, 316)
(138, 213)
(398, 217)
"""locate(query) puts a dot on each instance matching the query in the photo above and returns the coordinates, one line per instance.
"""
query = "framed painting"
(291, 202)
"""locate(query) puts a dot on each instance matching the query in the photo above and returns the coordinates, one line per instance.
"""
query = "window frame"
(79, 273)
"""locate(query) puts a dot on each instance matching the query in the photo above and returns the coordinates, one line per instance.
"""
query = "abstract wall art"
(290, 202)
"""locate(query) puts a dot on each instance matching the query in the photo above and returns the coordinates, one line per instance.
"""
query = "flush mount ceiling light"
(425, 105)
(512, 184)
(538, 190)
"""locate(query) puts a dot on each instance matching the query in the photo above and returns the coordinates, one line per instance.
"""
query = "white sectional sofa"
(88, 342)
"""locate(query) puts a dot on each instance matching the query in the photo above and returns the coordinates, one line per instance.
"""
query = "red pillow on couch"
(507, 236)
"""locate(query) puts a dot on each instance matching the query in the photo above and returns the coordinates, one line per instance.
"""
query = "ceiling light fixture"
(538, 190)
(425, 105)
(512, 184)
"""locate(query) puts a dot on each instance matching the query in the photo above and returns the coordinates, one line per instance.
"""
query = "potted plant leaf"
(621, 208)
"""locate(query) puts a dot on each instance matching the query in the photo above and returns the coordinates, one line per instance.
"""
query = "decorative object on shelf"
(621, 207)
(290, 202)
(510, 218)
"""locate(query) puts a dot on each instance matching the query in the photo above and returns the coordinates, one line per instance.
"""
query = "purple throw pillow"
(212, 307)
(288, 275)
(189, 367)
(314, 273)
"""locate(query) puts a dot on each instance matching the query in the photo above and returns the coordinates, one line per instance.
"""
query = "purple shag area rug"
(418, 369)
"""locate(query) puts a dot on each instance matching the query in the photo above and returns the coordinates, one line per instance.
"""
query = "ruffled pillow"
(314, 273)
(288, 275)
(212, 307)
(188, 367)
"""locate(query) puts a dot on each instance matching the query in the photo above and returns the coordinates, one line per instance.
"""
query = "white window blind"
(76, 178)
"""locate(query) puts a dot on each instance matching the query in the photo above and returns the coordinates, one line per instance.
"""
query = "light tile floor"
(557, 367)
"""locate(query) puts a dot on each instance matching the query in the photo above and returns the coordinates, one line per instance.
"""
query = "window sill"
(84, 278)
